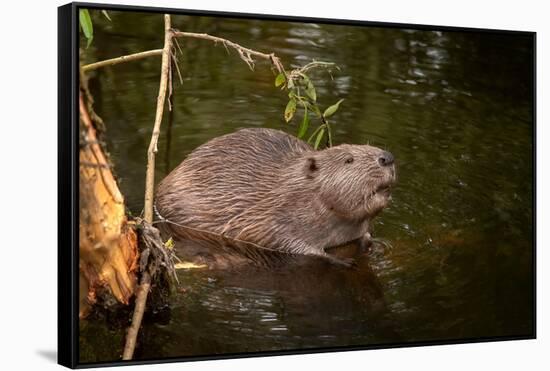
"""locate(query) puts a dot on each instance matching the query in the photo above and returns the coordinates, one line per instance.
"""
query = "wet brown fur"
(272, 190)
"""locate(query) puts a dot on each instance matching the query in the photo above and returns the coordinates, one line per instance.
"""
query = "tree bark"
(108, 244)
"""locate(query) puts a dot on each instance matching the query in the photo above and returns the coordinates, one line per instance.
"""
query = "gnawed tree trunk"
(108, 243)
(108, 247)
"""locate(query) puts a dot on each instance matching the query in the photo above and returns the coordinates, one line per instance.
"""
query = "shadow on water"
(304, 303)
(453, 107)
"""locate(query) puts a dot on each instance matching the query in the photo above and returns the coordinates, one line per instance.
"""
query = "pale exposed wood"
(107, 245)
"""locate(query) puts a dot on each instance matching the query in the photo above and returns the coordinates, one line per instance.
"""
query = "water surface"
(453, 107)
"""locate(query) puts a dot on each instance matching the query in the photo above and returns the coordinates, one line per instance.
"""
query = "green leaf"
(332, 109)
(106, 15)
(280, 79)
(310, 91)
(169, 243)
(290, 109)
(316, 110)
(290, 84)
(86, 24)
(319, 137)
(304, 125)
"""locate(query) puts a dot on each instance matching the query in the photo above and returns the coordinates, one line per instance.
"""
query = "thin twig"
(124, 58)
(178, 45)
(137, 317)
(246, 54)
(170, 86)
(315, 132)
(175, 58)
(165, 71)
(145, 284)
(316, 64)
(329, 134)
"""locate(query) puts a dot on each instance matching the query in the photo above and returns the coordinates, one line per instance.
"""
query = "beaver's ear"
(311, 167)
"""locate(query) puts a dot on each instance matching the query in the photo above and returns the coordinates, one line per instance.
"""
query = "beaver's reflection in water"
(305, 302)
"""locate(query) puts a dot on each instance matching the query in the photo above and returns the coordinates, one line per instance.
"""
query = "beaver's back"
(225, 176)
(247, 152)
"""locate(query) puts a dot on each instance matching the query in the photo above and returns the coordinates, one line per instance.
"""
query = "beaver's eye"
(349, 160)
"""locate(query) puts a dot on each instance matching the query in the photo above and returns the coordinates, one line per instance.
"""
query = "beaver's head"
(354, 181)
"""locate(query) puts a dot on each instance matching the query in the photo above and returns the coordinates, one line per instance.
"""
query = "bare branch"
(165, 71)
(145, 284)
(316, 64)
(246, 54)
(124, 58)
(137, 317)
(178, 45)
(175, 58)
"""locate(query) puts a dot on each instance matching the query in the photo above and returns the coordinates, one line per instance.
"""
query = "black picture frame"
(68, 202)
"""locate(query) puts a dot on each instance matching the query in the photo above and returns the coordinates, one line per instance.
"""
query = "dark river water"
(453, 107)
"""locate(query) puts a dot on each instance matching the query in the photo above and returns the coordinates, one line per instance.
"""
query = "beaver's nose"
(386, 159)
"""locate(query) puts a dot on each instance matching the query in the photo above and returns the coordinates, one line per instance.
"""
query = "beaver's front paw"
(365, 242)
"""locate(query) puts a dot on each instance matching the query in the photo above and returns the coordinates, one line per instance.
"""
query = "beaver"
(274, 191)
